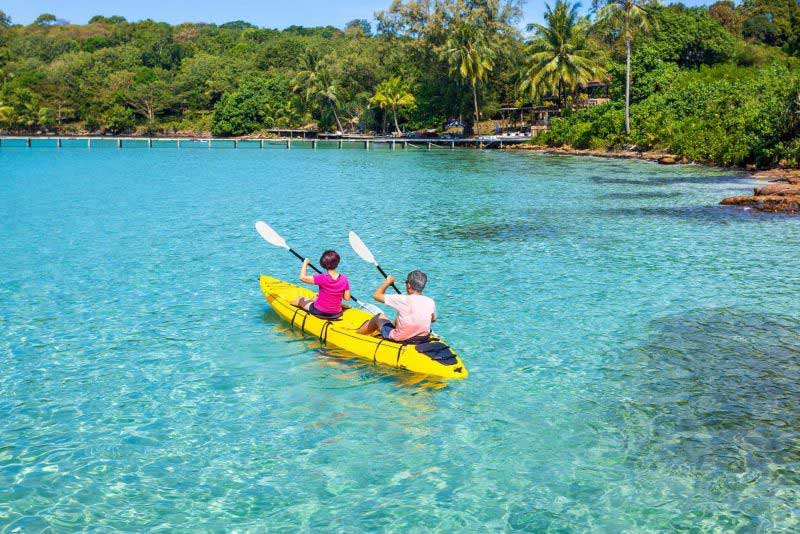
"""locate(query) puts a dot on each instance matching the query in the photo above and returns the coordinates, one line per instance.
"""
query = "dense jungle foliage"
(718, 83)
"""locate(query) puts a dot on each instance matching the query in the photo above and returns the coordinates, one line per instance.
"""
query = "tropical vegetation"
(718, 83)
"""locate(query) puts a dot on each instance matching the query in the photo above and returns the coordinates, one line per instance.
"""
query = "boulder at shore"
(782, 196)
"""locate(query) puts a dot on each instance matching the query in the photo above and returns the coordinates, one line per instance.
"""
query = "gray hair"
(417, 280)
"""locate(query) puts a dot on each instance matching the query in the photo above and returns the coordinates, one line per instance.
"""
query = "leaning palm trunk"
(396, 126)
(628, 86)
(336, 116)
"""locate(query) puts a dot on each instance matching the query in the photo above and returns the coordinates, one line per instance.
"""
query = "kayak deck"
(342, 333)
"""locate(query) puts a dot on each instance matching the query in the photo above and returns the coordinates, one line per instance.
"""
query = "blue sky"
(265, 13)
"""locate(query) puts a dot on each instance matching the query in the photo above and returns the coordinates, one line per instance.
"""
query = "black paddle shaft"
(301, 258)
(386, 276)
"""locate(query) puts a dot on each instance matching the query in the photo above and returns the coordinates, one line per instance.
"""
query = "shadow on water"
(717, 214)
(712, 397)
(519, 230)
(352, 371)
(666, 181)
(640, 196)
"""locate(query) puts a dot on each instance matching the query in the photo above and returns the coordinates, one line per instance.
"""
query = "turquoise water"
(633, 346)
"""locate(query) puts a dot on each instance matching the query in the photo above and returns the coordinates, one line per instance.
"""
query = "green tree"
(470, 55)
(359, 27)
(5, 20)
(45, 19)
(100, 19)
(560, 57)
(119, 119)
(260, 102)
(761, 28)
(145, 91)
(318, 87)
(626, 19)
(6, 116)
(393, 94)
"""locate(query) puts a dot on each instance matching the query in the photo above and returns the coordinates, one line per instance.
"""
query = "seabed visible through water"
(632, 345)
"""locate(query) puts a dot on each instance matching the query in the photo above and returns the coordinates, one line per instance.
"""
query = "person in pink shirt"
(333, 288)
(415, 312)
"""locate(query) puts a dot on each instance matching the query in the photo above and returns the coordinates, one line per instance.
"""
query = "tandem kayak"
(342, 333)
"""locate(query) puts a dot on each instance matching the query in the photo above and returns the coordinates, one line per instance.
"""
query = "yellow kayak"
(342, 333)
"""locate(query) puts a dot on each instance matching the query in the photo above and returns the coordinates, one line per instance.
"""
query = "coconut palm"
(560, 57)
(626, 19)
(316, 84)
(393, 94)
(470, 53)
(6, 115)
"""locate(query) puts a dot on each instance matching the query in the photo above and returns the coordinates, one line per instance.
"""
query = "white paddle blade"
(371, 308)
(361, 249)
(270, 236)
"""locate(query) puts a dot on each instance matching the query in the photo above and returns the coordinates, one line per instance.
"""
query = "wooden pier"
(260, 143)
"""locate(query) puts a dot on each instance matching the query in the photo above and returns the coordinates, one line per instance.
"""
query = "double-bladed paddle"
(274, 238)
(366, 254)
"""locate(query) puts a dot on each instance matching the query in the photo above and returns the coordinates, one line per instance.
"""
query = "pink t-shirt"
(414, 314)
(331, 292)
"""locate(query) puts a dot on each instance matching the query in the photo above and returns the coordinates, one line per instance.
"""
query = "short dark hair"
(416, 280)
(330, 259)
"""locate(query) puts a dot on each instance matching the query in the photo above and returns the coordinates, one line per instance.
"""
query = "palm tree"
(559, 57)
(626, 19)
(470, 54)
(316, 84)
(6, 114)
(392, 93)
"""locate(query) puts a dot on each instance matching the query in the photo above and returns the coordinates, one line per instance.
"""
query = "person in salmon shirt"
(333, 288)
(415, 312)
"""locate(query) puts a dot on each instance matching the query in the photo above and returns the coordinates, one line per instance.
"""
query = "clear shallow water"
(633, 347)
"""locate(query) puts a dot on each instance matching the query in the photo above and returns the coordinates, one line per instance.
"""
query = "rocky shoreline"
(782, 195)
(659, 156)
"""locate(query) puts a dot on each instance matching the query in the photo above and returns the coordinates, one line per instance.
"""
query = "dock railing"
(261, 143)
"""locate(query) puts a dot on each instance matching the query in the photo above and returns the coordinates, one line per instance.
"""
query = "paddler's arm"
(304, 273)
(381, 291)
(347, 295)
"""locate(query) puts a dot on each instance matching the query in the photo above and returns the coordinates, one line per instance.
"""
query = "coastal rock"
(778, 189)
(772, 203)
(791, 176)
(667, 160)
(782, 195)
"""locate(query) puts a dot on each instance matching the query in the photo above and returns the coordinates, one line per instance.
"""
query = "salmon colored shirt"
(414, 314)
